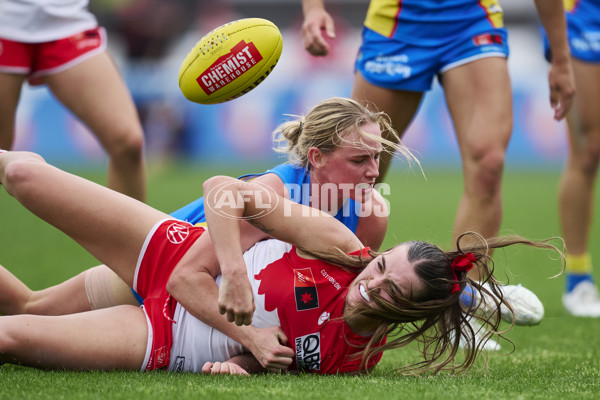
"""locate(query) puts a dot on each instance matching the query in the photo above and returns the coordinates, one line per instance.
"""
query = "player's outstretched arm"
(228, 200)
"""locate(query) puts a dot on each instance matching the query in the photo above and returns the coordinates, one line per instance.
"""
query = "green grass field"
(559, 359)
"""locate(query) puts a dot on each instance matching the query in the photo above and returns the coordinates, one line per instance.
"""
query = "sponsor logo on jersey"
(392, 66)
(177, 233)
(305, 290)
(331, 279)
(88, 39)
(308, 352)
(487, 39)
(242, 57)
(179, 364)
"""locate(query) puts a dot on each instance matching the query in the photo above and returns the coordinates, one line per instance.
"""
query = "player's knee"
(127, 146)
(487, 157)
(34, 308)
(591, 157)
(175, 281)
(9, 338)
(488, 167)
(38, 306)
(20, 170)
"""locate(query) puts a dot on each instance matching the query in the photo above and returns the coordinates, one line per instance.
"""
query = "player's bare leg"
(480, 102)
(93, 289)
(112, 338)
(10, 92)
(576, 192)
(107, 108)
(479, 99)
(401, 106)
(74, 205)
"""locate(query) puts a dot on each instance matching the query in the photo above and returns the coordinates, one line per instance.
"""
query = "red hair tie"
(461, 263)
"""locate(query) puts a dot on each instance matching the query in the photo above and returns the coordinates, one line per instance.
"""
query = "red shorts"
(40, 59)
(166, 244)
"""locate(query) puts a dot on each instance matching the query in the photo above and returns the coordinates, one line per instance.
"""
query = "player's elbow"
(175, 282)
(219, 181)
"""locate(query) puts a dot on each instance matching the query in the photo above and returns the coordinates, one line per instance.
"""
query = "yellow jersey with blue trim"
(586, 10)
(432, 22)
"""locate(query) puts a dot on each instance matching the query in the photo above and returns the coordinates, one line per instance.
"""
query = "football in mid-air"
(230, 61)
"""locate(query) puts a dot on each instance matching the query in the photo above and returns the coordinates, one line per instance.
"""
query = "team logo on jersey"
(487, 39)
(177, 233)
(305, 290)
(324, 317)
(159, 359)
(308, 352)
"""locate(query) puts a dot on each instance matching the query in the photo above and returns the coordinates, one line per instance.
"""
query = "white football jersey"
(38, 21)
(195, 342)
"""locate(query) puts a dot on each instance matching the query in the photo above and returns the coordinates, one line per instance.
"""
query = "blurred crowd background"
(150, 38)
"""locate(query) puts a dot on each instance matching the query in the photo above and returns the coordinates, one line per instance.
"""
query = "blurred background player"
(576, 191)
(463, 43)
(62, 46)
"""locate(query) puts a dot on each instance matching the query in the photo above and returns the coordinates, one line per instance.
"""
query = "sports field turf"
(559, 359)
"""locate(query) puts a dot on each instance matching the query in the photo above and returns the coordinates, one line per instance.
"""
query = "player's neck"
(361, 325)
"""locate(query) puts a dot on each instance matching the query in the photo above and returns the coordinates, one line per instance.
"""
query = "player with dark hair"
(339, 304)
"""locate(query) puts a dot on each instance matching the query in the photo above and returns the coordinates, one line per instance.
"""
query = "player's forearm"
(311, 5)
(223, 213)
(552, 17)
(198, 294)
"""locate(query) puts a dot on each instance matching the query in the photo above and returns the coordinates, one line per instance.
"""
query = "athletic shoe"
(527, 308)
(583, 300)
(480, 332)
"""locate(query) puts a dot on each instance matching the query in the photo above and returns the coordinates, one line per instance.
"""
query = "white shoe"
(583, 300)
(528, 309)
(480, 332)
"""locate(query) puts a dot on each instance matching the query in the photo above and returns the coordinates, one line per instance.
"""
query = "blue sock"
(573, 280)
(467, 297)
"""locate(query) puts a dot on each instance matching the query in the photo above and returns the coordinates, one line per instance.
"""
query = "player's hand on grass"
(223, 368)
(268, 347)
(317, 23)
(236, 299)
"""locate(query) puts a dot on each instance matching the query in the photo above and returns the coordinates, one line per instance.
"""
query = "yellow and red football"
(230, 61)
